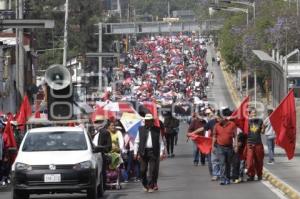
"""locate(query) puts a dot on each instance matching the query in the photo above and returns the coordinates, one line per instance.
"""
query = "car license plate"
(52, 178)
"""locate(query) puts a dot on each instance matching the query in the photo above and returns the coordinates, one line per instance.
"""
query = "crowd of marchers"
(235, 156)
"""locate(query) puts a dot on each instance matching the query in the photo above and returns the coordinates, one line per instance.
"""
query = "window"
(55, 141)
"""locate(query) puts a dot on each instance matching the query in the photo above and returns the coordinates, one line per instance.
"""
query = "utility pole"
(120, 10)
(100, 58)
(128, 17)
(169, 12)
(17, 53)
(19, 50)
(66, 33)
(297, 7)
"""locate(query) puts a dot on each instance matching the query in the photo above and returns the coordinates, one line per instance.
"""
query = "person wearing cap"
(225, 142)
(212, 159)
(102, 138)
(148, 148)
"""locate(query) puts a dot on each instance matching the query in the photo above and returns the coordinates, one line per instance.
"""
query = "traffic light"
(59, 93)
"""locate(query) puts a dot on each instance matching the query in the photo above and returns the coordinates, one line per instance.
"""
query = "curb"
(234, 96)
(288, 191)
(276, 182)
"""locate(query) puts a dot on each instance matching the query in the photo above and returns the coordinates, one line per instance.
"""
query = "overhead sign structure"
(161, 27)
(26, 23)
(102, 54)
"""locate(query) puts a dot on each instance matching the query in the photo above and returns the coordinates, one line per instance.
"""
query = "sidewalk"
(284, 174)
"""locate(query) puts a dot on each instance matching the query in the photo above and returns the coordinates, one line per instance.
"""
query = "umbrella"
(170, 75)
(192, 66)
(155, 68)
(145, 86)
(131, 123)
(127, 81)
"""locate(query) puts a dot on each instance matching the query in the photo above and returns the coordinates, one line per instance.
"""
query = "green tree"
(83, 15)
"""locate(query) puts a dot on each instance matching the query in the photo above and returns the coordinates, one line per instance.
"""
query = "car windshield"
(55, 141)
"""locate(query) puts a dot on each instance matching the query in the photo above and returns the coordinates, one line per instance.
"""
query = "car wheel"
(92, 193)
(101, 187)
(20, 195)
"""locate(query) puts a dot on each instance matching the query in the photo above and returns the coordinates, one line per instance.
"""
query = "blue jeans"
(128, 164)
(215, 163)
(271, 147)
(225, 155)
(197, 154)
(238, 167)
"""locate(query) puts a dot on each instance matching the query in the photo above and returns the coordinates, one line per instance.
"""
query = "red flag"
(125, 107)
(25, 111)
(37, 113)
(100, 112)
(241, 115)
(151, 106)
(204, 144)
(283, 121)
(8, 131)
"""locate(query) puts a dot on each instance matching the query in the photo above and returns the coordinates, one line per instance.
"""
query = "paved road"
(178, 177)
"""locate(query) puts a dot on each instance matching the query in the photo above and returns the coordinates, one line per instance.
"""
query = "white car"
(57, 160)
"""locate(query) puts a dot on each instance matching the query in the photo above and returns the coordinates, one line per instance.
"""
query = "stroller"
(113, 172)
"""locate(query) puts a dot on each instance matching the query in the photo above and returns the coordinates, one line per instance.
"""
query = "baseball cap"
(148, 116)
(99, 118)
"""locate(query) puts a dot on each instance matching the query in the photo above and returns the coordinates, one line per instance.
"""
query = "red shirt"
(224, 134)
(195, 124)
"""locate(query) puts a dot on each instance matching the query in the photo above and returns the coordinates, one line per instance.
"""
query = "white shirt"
(148, 143)
(128, 141)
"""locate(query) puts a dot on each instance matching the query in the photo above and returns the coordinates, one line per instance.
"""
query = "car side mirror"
(12, 150)
(98, 149)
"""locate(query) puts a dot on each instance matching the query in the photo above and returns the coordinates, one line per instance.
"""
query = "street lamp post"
(244, 3)
(234, 9)
(254, 14)
(231, 9)
(66, 33)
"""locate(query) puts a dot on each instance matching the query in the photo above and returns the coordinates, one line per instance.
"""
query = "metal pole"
(1, 75)
(169, 13)
(9, 5)
(247, 81)
(247, 17)
(297, 7)
(17, 54)
(128, 18)
(120, 10)
(66, 33)
(285, 74)
(100, 58)
(255, 90)
(254, 11)
(21, 51)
